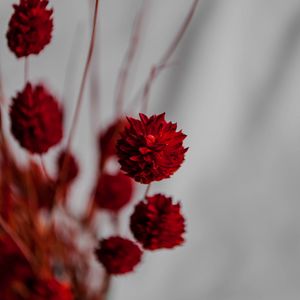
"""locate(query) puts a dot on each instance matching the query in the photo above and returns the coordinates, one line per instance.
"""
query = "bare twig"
(164, 61)
(95, 85)
(26, 69)
(84, 77)
(79, 101)
(71, 63)
(129, 59)
(147, 190)
(44, 168)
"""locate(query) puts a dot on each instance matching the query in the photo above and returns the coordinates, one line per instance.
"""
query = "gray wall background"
(234, 89)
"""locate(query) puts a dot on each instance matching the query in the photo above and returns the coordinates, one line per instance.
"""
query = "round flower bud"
(113, 192)
(36, 119)
(150, 149)
(30, 27)
(118, 255)
(158, 223)
(71, 167)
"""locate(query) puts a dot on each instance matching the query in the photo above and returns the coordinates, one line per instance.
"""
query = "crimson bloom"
(36, 119)
(30, 27)
(118, 255)
(158, 223)
(71, 166)
(113, 191)
(150, 149)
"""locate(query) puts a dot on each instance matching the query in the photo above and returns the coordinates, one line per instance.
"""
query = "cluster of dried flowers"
(39, 256)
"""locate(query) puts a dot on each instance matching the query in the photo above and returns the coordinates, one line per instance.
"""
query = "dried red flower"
(36, 119)
(150, 149)
(158, 223)
(108, 140)
(113, 191)
(30, 27)
(118, 255)
(71, 167)
(51, 289)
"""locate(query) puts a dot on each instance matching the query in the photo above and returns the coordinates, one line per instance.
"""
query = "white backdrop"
(235, 91)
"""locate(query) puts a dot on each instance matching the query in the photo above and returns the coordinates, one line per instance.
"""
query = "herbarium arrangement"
(46, 252)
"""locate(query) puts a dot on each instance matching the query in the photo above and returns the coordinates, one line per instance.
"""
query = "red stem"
(128, 60)
(26, 69)
(147, 190)
(84, 77)
(95, 89)
(164, 61)
(80, 95)
(43, 165)
(179, 35)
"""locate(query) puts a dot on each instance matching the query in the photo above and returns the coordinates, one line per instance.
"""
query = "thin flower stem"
(166, 57)
(43, 165)
(129, 59)
(90, 211)
(84, 77)
(164, 61)
(79, 101)
(26, 70)
(32, 194)
(95, 86)
(71, 64)
(116, 223)
(147, 190)
(91, 207)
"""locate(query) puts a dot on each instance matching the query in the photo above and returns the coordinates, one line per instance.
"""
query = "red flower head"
(118, 255)
(71, 167)
(108, 140)
(113, 191)
(158, 223)
(36, 119)
(30, 27)
(150, 149)
(51, 289)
